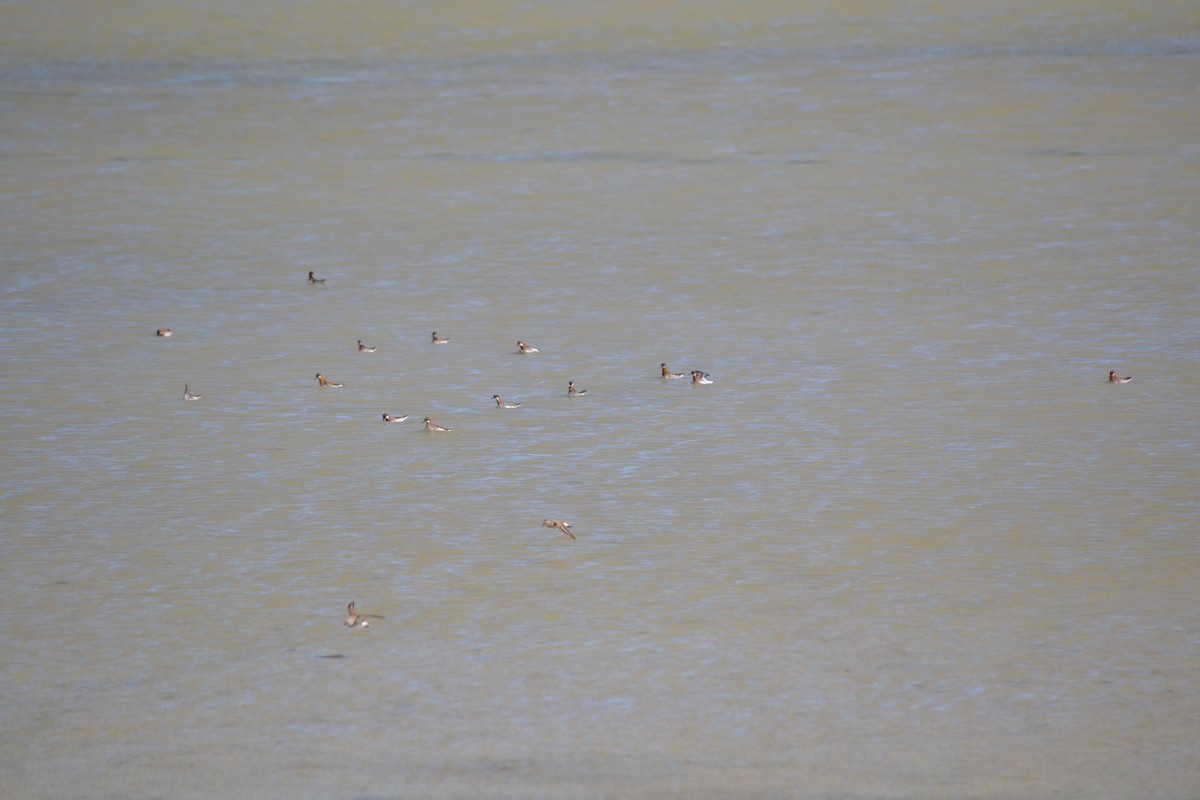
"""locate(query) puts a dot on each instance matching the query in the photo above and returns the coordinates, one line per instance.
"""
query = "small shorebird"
(439, 339)
(394, 418)
(524, 348)
(321, 379)
(364, 348)
(430, 425)
(187, 393)
(313, 279)
(558, 524)
(699, 376)
(501, 404)
(163, 332)
(666, 373)
(1113, 377)
(572, 391)
(355, 620)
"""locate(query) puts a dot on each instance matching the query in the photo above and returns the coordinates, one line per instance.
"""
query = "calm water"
(909, 544)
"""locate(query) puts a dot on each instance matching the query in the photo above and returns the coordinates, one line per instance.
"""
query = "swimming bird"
(572, 391)
(163, 332)
(321, 379)
(394, 418)
(699, 376)
(430, 425)
(666, 373)
(355, 620)
(558, 524)
(501, 404)
(439, 339)
(364, 348)
(524, 348)
(313, 279)
(1113, 377)
(187, 393)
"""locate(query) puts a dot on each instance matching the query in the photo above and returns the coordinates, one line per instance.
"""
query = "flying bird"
(560, 525)
(354, 620)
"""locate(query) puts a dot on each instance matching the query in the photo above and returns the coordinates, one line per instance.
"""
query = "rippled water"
(909, 543)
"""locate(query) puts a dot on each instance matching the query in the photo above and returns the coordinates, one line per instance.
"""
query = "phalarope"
(163, 332)
(439, 339)
(430, 425)
(394, 417)
(1113, 377)
(355, 620)
(572, 391)
(187, 393)
(321, 379)
(699, 376)
(666, 373)
(364, 348)
(524, 348)
(312, 279)
(501, 404)
(558, 524)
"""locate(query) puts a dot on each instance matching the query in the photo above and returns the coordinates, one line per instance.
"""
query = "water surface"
(910, 543)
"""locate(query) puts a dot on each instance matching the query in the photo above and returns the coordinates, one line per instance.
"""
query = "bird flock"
(357, 620)
(698, 377)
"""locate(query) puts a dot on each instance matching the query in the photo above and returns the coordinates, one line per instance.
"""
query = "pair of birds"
(430, 425)
(698, 375)
(356, 620)
(436, 340)
(527, 349)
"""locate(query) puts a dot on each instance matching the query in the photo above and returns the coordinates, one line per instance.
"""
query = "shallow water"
(909, 543)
